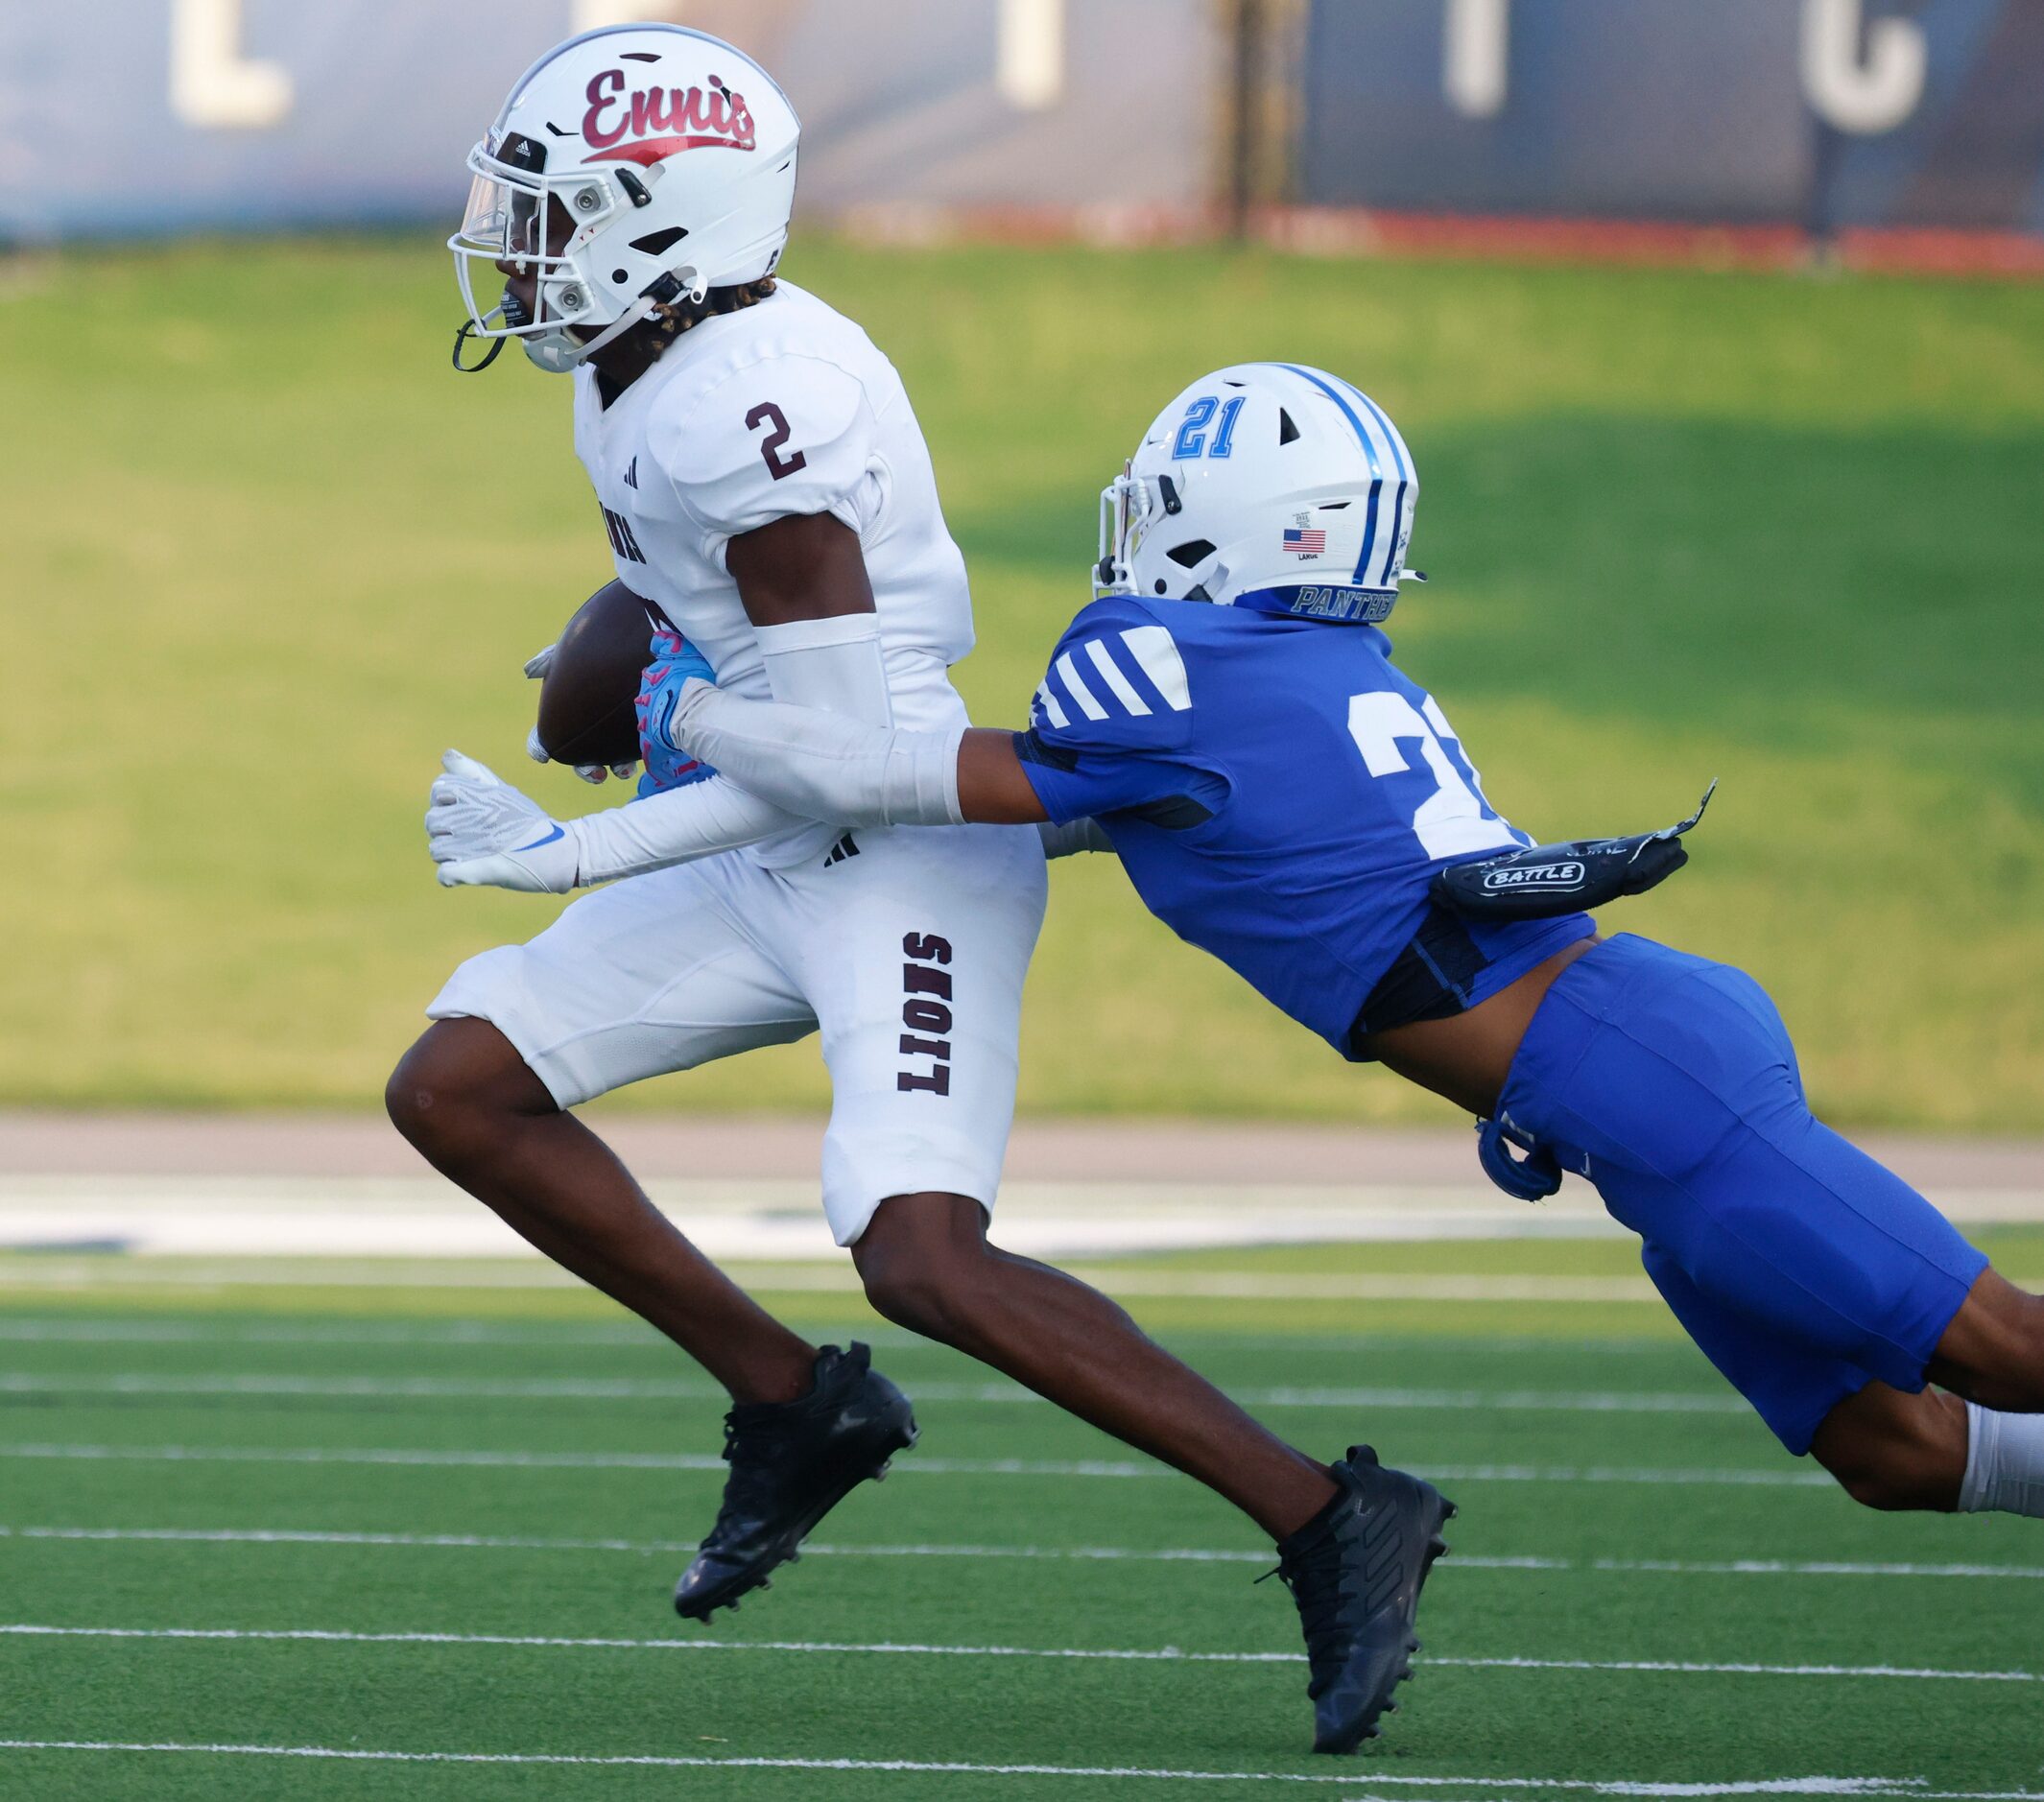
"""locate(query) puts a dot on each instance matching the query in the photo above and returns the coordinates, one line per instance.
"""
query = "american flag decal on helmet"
(1304, 541)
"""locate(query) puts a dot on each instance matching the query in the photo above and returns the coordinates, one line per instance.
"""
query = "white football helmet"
(661, 158)
(1265, 485)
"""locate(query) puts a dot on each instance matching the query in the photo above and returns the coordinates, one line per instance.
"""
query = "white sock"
(2005, 1463)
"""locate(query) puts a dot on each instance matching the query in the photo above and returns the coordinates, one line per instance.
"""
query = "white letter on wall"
(1875, 95)
(1029, 68)
(1476, 39)
(211, 85)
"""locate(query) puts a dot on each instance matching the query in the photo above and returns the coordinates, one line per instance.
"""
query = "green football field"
(312, 1538)
(267, 556)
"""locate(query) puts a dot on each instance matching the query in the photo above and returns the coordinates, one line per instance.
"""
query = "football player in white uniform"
(767, 491)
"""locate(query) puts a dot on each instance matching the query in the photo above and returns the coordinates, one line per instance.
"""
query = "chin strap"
(641, 309)
(663, 291)
(556, 351)
(463, 332)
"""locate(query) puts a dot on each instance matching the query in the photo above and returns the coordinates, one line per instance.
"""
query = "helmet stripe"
(1348, 413)
(1369, 450)
(1391, 550)
(1369, 529)
(1390, 431)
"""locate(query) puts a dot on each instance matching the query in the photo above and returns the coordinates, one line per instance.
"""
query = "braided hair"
(672, 317)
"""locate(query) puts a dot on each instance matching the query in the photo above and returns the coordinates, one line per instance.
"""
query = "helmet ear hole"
(1191, 554)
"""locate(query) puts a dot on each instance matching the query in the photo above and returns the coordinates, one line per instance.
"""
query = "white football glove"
(481, 830)
(535, 668)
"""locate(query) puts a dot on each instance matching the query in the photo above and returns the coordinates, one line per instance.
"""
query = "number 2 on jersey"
(1450, 821)
(771, 445)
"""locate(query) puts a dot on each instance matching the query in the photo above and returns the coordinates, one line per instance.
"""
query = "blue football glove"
(674, 660)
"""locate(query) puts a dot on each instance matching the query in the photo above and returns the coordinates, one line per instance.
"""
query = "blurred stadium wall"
(1910, 130)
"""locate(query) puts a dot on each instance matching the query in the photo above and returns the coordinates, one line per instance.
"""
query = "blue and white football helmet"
(1265, 485)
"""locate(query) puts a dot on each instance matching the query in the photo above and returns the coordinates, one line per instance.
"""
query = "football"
(587, 712)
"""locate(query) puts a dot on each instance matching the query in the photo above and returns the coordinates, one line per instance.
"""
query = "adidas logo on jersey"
(662, 121)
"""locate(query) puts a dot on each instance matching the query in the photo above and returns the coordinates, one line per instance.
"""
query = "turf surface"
(270, 557)
(339, 1518)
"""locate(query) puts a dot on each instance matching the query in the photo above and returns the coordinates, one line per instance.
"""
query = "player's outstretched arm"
(482, 831)
(829, 766)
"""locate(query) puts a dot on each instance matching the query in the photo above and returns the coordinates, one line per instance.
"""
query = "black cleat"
(792, 1462)
(1356, 1571)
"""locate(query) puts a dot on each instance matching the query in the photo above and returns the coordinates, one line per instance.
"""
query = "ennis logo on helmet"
(687, 117)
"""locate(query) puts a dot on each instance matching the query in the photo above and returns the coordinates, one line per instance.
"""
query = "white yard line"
(1771, 1479)
(669, 1389)
(531, 1460)
(503, 1542)
(49, 1270)
(493, 1542)
(114, 1330)
(1360, 1782)
(1814, 1567)
(1162, 1654)
(111, 1329)
(1460, 1561)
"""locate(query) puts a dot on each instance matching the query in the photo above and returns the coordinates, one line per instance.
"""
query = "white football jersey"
(785, 407)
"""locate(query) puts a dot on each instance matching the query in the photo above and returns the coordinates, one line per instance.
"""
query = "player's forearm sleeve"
(834, 665)
(674, 827)
(823, 765)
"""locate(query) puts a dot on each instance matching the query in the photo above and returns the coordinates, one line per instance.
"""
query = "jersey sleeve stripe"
(1068, 673)
(1124, 689)
(1158, 658)
(1051, 710)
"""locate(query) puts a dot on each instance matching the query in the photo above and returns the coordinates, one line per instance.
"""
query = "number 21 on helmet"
(1269, 485)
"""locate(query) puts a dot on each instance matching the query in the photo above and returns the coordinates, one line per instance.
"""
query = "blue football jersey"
(1279, 792)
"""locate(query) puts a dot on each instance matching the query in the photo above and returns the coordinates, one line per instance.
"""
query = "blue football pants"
(1803, 1268)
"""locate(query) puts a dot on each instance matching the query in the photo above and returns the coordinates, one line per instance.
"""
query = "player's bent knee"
(1878, 1476)
(1891, 1491)
(1896, 1452)
(911, 1296)
(2030, 1356)
(1993, 1351)
(459, 1078)
(923, 1261)
(927, 1292)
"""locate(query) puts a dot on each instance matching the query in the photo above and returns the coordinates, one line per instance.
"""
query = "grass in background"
(268, 556)
(323, 1463)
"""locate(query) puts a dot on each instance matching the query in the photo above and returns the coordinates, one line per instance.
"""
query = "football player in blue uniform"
(1227, 716)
